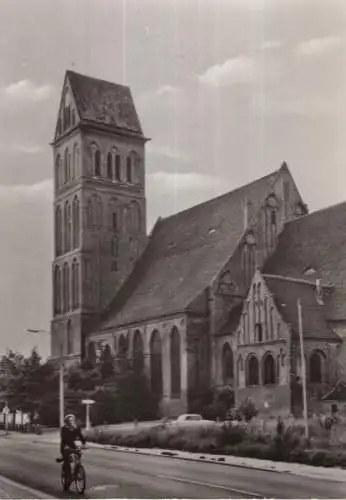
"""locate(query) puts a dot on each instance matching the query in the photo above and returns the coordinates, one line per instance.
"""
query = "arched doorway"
(156, 363)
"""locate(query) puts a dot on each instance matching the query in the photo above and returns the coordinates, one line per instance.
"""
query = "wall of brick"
(171, 406)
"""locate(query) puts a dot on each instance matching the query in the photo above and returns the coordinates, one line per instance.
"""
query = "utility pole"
(303, 367)
(61, 374)
(61, 387)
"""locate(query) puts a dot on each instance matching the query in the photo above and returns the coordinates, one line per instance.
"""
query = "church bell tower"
(99, 204)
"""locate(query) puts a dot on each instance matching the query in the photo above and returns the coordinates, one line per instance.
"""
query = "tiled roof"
(184, 254)
(316, 241)
(286, 292)
(338, 393)
(104, 102)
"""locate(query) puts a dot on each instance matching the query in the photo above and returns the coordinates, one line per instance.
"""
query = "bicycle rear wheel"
(80, 479)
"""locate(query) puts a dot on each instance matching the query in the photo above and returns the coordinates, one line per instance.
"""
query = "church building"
(209, 296)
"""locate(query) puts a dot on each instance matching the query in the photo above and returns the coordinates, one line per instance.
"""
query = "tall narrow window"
(97, 163)
(156, 372)
(69, 337)
(66, 288)
(269, 375)
(271, 319)
(175, 362)
(57, 290)
(315, 368)
(138, 353)
(58, 171)
(252, 370)
(129, 169)
(265, 313)
(109, 166)
(227, 364)
(66, 167)
(117, 168)
(114, 247)
(75, 222)
(58, 231)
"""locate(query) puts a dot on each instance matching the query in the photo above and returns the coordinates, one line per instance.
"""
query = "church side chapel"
(208, 297)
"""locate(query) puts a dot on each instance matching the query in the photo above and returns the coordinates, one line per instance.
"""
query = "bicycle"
(76, 470)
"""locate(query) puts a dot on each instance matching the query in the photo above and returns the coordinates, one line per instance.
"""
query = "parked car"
(192, 419)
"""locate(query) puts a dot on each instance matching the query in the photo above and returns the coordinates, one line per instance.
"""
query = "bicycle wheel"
(65, 480)
(80, 479)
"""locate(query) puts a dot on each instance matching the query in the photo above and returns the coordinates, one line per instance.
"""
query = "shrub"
(247, 409)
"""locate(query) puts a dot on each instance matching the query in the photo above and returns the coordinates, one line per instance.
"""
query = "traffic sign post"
(87, 403)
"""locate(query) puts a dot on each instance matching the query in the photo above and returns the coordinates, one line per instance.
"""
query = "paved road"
(113, 474)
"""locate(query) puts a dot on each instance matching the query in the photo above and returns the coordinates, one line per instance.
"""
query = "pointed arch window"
(75, 284)
(97, 163)
(75, 222)
(156, 363)
(57, 290)
(114, 247)
(110, 166)
(58, 172)
(227, 364)
(66, 288)
(138, 353)
(66, 166)
(315, 368)
(175, 362)
(58, 231)
(69, 337)
(129, 169)
(94, 211)
(252, 370)
(117, 167)
(75, 162)
(269, 371)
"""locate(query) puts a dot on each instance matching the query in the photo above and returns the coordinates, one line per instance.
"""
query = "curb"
(175, 455)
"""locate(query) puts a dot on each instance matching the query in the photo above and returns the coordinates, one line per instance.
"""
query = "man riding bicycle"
(70, 433)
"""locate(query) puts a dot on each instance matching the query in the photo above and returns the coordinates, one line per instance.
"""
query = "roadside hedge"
(240, 441)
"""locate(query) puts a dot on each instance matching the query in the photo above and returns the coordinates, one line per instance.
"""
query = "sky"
(226, 89)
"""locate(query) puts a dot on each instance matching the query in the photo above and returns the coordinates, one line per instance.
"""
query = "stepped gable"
(313, 247)
(285, 293)
(184, 254)
(104, 102)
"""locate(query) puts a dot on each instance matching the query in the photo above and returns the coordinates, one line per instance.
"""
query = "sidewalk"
(328, 474)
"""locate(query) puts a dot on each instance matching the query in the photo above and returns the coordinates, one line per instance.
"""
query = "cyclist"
(70, 433)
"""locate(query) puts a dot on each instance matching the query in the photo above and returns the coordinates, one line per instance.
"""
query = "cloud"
(271, 44)
(166, 151)
(26, 91)
(185, 181)
(237, 70)
(318, 46)
(28, 149)
(165, 90)
(308, 107)
(40, 191)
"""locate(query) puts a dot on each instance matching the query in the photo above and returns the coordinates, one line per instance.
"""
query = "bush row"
(291, 446)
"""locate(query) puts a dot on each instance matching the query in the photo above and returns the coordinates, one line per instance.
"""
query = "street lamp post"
(61, 376)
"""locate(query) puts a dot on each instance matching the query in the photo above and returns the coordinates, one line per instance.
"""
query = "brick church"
(209, 297)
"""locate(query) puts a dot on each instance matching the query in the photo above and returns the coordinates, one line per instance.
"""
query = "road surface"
(114, 474)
